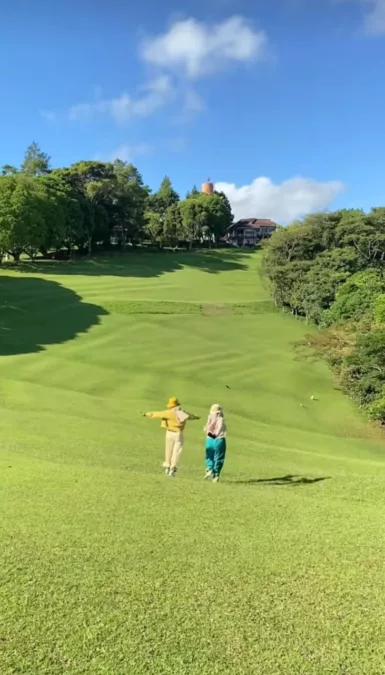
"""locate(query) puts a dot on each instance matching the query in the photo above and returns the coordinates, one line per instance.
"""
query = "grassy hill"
(110, 568)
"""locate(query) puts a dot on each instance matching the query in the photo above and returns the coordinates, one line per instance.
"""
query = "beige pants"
(174, 447)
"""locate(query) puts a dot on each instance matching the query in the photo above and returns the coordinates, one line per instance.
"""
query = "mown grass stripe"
(174, 307)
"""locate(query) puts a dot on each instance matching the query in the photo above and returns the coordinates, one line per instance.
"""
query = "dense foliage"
(89, 204)
(329, 268)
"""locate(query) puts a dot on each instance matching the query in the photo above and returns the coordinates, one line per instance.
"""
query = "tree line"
(329, 269)
(99, 204)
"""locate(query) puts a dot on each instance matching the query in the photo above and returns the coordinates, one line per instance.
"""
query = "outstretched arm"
(192, 417)
(160, 415)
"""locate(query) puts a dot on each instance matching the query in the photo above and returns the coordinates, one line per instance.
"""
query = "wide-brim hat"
(172, 402)
(216, 408)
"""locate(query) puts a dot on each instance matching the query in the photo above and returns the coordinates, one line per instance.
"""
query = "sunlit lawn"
(110, 568)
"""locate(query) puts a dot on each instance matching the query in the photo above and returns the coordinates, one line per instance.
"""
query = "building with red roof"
(249, 231)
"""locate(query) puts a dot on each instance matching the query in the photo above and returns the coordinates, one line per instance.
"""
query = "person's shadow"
(36, 312)
(283, 480)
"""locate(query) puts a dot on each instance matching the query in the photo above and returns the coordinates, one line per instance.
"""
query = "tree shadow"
(141, 263)
(36, 312)
(291, 480)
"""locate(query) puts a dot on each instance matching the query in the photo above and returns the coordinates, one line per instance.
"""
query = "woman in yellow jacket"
(174, 421)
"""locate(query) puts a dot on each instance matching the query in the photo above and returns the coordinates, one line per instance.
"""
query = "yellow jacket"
(170, 420)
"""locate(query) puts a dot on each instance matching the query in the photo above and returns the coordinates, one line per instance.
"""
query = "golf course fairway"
(107, 566)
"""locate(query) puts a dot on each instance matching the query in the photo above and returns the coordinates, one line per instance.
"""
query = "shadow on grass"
(141, 263)
(283, 480)
(36, 312)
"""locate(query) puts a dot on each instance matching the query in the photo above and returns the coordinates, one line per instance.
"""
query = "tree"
(313, 243)
(227, 207)
(95, 191)
(219, 215)
(63, 213)
(286, 284)
(93, 183)
(52, 201)
(288, 244)
(21, 221)
(366, 233)
(194, 192)
(357, 297)
(364, 374)
(206, 218)
(320, 231)
(8, 170)
(326, 274)
(74, 232)
(318, 289)
(35, 161)
(22, 226)
(379, 309)
(157, 206)
(7, 188)
(173, 226)
(330, 268)
(194, 218)
(153, 228)
(129, 200)
(166, 196)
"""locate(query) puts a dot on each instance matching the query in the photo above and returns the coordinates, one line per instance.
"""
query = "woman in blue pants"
(215, 430)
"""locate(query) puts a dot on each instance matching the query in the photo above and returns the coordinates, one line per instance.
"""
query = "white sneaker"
(208, 474)
(216, 479)
(172, 472)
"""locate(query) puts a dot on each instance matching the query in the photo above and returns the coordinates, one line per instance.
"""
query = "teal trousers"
(215, 454)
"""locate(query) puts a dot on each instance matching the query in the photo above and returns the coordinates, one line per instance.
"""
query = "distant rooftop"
(254, 223)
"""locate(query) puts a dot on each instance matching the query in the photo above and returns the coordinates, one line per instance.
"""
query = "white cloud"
(82, 111)
(190, 106)
(155, 94)
(188, 50)
(282, 203)
(126, 152)
(193, 102)
(198, 49)
(177, 144)
(48, 115)
(374, 18)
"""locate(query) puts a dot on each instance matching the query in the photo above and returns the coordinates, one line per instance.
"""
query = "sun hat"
(172, 402)
(216, 408)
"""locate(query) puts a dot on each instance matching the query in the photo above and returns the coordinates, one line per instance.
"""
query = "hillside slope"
(110, 568)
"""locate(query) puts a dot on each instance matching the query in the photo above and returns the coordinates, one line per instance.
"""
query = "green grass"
(109, 568)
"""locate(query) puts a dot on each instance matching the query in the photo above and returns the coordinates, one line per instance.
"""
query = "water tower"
(208, 187)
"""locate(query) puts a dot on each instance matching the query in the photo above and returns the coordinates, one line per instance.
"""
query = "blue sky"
(281, 102)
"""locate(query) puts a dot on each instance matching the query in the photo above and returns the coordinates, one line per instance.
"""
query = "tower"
(208, 187)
